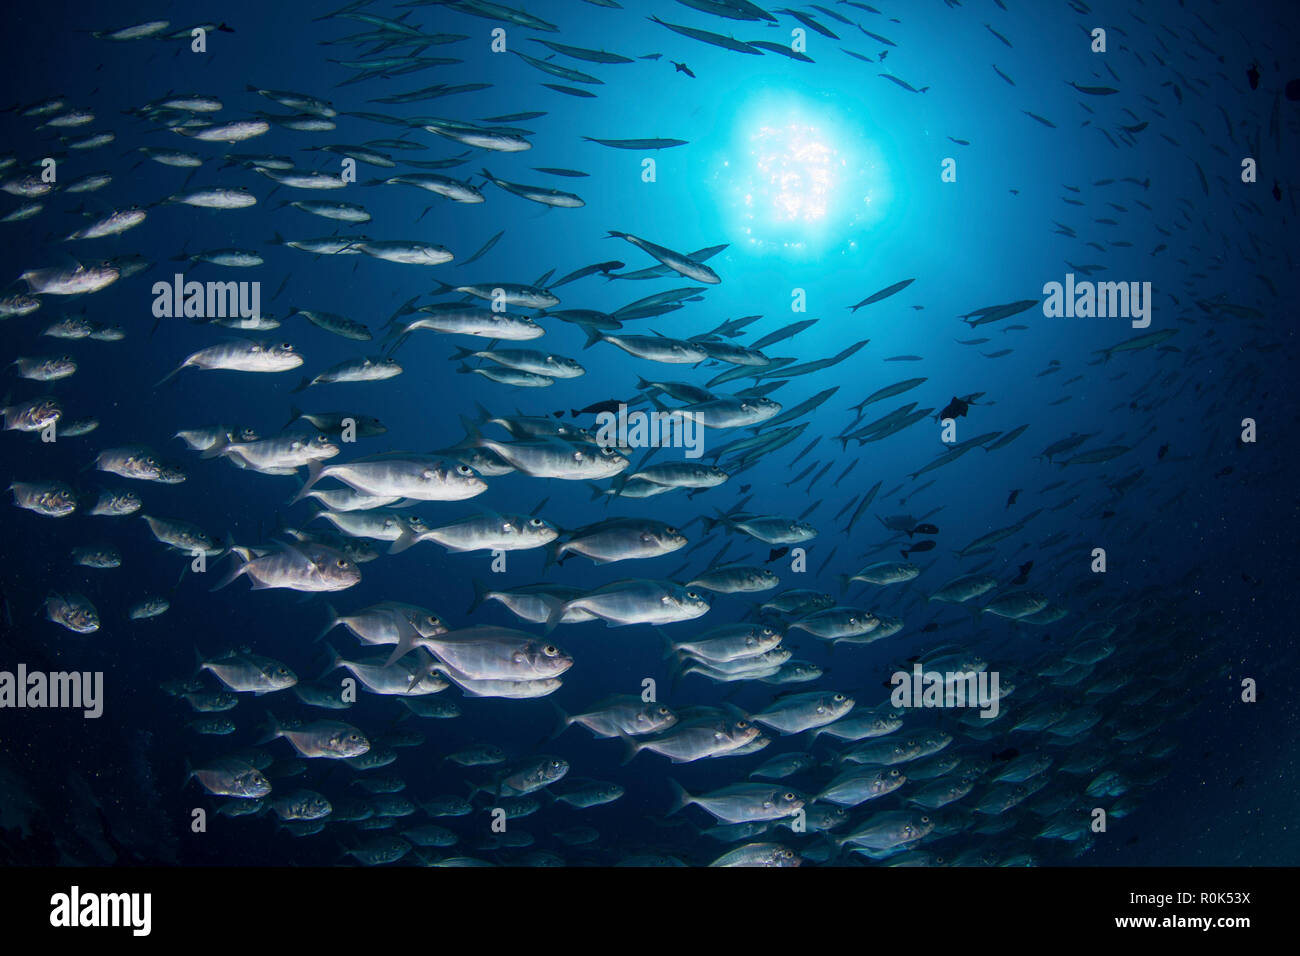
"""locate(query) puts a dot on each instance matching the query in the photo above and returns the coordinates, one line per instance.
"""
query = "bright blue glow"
(797, 179)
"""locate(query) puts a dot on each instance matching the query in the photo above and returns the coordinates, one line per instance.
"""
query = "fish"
(675, 261)
(510, 562)
(637, 144)
(884, 293)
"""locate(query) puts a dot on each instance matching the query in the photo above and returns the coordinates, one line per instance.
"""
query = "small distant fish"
(926, 545)
(1023, 577)
(885, 293)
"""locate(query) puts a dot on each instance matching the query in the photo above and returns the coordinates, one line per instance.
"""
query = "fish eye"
(550, 650)
(464, 470)
(742, 724)
(342, 562)
(789, 796)
(536, 522)
(838, 698)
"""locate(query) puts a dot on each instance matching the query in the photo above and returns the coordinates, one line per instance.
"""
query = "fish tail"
(314, 470)
(630, 748)
(336, 660)
(240, 566)
(551, 553)
(333, 622)
(472, 434)
(408, 637)
(562, 720)
(406, 308)
(295, 413)
(480, 596)
(554, 613)
(403, 541)
(170, 375)
(273, 729)
(681, 799)
(217, 449)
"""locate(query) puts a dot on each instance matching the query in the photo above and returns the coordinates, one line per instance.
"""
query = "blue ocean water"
(823, 177)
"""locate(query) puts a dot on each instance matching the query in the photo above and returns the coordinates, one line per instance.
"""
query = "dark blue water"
(1202, 542)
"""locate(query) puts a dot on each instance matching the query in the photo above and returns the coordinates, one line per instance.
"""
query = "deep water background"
(1215, 548)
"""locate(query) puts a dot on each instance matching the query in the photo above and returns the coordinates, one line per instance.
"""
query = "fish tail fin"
(217, 449)
(562, 720)
(406, 308)
(273, 730)
(670, 649)
(630, 748)
(593, 336)
(407, 639)
(314, 470)
(295, 413)
(480, 596)
(472, 434)
(170, 375)
(555, 610)
(552, 554)
(336, 660)
(403, 541)
(681, 799)
(333, 622)
(240, 559)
